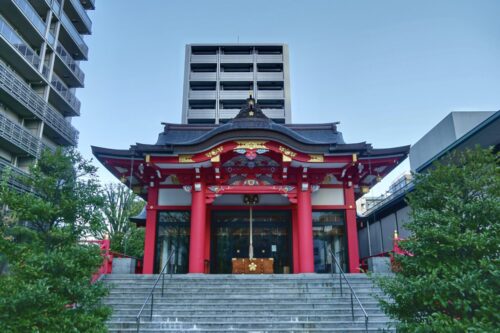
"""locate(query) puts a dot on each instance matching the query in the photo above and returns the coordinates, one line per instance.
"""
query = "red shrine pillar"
(197, 233)
(304, 214)
(150, 234)
(295, 240)
(352, 230)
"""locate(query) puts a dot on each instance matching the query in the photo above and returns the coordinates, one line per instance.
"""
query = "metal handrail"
(353, 294)
(151, 294)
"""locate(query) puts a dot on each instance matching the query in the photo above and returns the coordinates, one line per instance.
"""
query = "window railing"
(83, 13)
(32, 15)
(18, 43)
(66, 22)
(64, 91)
(20, 137)
(68, 60)
(15, 174)
(34, 103)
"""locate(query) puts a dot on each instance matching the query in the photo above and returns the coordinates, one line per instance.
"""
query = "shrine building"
(216, 193)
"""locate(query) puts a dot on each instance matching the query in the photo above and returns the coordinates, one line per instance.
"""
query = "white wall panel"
(174, 197)
(328, 196)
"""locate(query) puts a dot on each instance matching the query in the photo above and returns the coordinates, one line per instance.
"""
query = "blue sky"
(388, 70)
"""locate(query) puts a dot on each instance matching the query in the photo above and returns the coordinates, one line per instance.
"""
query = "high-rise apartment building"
(41, 46)
(219, 77)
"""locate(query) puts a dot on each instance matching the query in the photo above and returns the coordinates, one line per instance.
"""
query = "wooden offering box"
(253, 266)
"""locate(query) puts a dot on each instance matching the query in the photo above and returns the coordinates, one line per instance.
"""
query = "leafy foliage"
(47, 288)
(451, 282)
(119, 205)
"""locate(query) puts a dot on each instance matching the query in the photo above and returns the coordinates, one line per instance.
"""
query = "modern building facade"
(457, 131)
(250, 188)
(219, 77)
(41, 47)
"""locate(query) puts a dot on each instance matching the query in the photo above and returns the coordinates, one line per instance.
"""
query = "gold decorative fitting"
(287, 151)
(316, 158)
(286, 158)
(354, 157)
(215, 159)
(186, 159)
(252, 267)
(251, 144)
(148, 158)
(214, 152)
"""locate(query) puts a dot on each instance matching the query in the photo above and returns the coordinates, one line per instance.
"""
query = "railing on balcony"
(20, 137)
(72, 65)
(236, 58)
(21, 46)
(35, 104)
(233, 94)
(203, 76)
(203, 58)
(270, 58)
(202, 94)
(68, 25)
(270, 94)
(270, 76)
(236, 76)
(64, 91)
(32, 15)
(201, 113)
(82, 13)
(15, 174)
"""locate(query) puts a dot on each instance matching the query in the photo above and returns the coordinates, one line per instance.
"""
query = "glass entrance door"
(231, 238)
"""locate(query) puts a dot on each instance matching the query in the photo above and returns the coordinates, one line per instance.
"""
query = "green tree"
(119, 205)
(452, 281)
(47, 288)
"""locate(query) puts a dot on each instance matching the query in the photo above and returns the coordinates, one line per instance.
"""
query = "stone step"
(244, 317)
(372, 311)
(268, 330)
(249, 325)
(246, 306)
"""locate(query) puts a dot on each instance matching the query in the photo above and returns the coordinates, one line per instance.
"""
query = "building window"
(173, 234)
(329, 235)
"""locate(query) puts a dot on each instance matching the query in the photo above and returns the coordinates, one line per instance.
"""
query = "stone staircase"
(244, 303)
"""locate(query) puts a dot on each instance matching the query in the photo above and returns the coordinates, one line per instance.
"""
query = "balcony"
(72, 40)
(202, 76)
(19, 54)
(88, 4)
(236, 58)
(71, 68)
(31, 15)
(20, 140)
(203, 58)
(274, 113)
(270, 94)
(79, 17)
(270, 76)
(201, 113)
(20, 96)
(233, 94)
(236, 76)
(63, 98)
(202, 94)
(15, 173)
(269, 58)
(228, 113)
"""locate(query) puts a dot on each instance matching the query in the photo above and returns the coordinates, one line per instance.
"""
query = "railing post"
(152, 301)
(340, 278)
(366, 324)
(162, 282)
(352, 307)
(138, 322)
